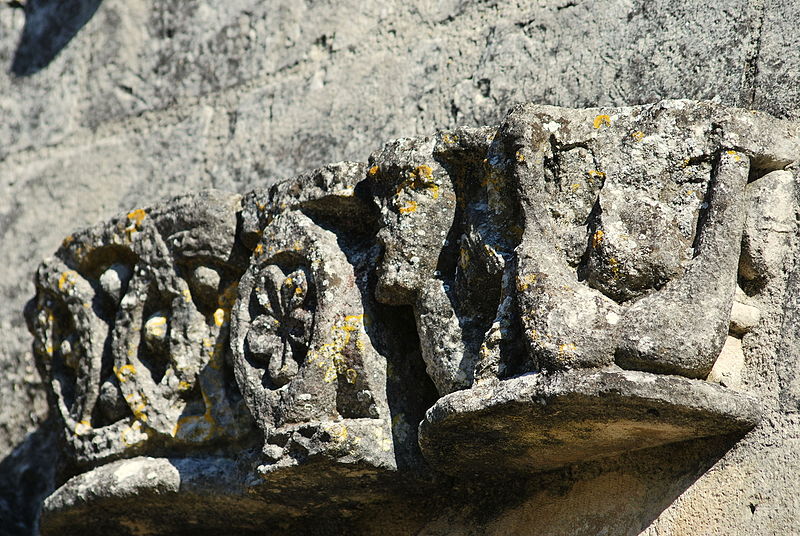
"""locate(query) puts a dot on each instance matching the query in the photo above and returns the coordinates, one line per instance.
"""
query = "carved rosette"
(304, 362)
(132, 349)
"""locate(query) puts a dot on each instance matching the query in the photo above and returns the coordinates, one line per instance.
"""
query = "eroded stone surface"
(133, 349)
(566, 281)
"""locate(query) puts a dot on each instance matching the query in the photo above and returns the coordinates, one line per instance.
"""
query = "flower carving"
(279, 336)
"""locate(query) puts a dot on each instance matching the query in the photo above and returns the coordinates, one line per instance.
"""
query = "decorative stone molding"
(569, 286)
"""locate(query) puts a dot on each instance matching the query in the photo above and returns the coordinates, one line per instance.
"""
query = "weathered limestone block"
(633, 219)
(444, 250)
(570, 286)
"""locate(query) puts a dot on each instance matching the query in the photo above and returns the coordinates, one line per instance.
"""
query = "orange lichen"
(411, 206)
(602, 120)
(594, 174)
(67, 280)
(136, 217)
(597, 238)
(524, 282)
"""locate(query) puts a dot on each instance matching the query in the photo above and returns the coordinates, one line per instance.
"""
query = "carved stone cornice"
(572, 285)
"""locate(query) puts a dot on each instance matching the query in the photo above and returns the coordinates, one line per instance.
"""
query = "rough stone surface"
(124, 103)
(540, 422)
(332, 310)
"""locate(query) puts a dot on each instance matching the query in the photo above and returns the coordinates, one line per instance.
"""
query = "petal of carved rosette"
(302, 358)
(130, 327)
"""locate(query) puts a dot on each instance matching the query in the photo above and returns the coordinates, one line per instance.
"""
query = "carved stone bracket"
(572, 285)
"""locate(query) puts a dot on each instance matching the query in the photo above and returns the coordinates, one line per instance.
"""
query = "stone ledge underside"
(539, 422)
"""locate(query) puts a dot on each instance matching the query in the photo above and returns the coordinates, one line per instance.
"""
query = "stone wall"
(112, 105)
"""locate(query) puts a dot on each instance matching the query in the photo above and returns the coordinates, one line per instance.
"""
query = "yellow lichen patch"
(136, 217)
(575, 187)
(519, 156)
(138, 405)
(330, 356)
(449, 138)
(423, 172)
(353, 322)
(567, 349)
(594, 174)
(597, 238)
(409, 207)
(258, 250)
(351, 375)
(614, 264)
(183, 385)
(221, 316)
(156, 327)
(735, 155)
(379, 436)
(420, 178)
(638, 135)
(602, 120)
(133, 434)
(338, 433)
(374, 170)
(261, 206)
(463, 258)
(83, 428)
(228, 296)
(524, 282)
(67, 280)
(196, 428)
(187, 295)
(124, 372)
